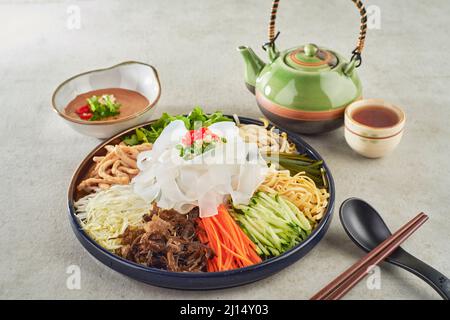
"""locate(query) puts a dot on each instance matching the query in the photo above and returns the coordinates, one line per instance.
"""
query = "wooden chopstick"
(349, 278)
(360, 274)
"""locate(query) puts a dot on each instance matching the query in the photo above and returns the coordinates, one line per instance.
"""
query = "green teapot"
(304, 89)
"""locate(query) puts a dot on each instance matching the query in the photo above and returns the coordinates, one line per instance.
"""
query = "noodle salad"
(202, 193)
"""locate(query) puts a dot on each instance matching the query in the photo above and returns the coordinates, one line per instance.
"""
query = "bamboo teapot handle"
(273, 35)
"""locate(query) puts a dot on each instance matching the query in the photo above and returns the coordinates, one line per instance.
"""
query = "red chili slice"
(83, 109)
(86, 115)
(199, 134)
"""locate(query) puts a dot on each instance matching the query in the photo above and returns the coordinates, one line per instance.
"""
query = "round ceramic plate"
(205, 280)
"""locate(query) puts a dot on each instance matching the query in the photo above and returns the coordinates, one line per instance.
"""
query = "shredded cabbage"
(106, 214)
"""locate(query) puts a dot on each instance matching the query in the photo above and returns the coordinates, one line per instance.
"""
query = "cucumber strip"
(272, 204)
(268, 215)
(275, 239)
(273, 223)
(288, 209)
(306, 225)
(274, 251)
(248, 225)
(263, 249)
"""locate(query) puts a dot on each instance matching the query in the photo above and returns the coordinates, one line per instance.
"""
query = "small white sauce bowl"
(373, 142)
(132, 75)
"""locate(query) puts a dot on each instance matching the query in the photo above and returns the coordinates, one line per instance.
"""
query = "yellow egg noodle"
(300, 190)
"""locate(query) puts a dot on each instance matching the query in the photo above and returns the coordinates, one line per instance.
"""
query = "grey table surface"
(192, 44)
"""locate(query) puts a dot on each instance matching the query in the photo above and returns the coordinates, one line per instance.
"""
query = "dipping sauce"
(376, 116)
(131, 102)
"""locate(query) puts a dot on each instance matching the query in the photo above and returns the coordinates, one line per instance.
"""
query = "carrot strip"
(212, 234)
(232, 247)
(223, 217)
(238, 231)
(249, 262)
(239, 249)
(246, 243)
(229, 260)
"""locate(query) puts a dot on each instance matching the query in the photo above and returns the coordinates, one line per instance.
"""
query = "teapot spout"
(253, 66)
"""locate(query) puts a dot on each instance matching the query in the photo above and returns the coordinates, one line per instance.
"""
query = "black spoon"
(367, 229)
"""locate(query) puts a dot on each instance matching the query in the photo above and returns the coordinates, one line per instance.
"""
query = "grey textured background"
(192, 44)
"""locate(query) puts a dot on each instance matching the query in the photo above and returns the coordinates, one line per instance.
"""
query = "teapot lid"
(311, 58)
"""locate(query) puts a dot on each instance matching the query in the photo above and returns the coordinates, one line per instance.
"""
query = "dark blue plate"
(207, 280)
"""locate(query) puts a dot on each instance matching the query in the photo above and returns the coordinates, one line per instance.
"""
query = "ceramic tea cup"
(373, 127)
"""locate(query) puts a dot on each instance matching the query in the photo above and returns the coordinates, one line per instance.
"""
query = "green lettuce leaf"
(197, 117)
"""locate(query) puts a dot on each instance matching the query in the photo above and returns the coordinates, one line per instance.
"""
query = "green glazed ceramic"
(304, 89)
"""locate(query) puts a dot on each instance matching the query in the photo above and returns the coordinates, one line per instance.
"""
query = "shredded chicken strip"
(118, 166)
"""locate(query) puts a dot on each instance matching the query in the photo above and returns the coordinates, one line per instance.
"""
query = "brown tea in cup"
(376, 116)
(373, 127)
